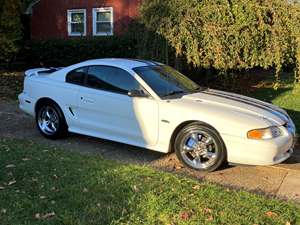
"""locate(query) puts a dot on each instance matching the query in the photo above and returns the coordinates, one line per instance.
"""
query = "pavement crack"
(278, 189)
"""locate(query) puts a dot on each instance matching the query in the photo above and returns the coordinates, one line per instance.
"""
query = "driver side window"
(111, 79)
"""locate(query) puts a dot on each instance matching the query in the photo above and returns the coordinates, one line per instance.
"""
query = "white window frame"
(104, 9)
(70, 12)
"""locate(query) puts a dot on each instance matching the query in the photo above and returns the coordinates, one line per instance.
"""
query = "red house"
(80, 18)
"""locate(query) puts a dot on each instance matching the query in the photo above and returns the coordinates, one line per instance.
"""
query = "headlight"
(266, 133)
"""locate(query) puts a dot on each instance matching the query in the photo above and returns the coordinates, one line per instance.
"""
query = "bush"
(62, 52)
(228, 34)
(10, 29)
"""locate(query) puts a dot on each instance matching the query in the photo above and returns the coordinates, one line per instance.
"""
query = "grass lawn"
(43, 185)
(286, 97)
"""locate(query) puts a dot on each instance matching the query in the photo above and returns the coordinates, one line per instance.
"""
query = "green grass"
(83, 189)
(286, 97)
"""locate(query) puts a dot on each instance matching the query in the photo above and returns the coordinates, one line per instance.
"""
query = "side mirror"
(137, 93)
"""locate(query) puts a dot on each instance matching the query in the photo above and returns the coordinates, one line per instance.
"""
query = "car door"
(69, 95)
(105, 109)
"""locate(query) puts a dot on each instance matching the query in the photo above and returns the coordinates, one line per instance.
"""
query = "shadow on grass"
(78, 189)
(269, 94)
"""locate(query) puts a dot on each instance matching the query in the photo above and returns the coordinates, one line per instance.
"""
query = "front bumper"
(260, 152)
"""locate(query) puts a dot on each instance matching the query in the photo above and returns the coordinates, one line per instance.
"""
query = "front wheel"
(50, 121)
(200, 147)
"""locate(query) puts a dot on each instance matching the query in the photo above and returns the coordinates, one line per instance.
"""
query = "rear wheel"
(200, 147)
(51, 121)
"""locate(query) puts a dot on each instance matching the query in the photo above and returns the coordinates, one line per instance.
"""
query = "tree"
(228, 34)
(10, 29)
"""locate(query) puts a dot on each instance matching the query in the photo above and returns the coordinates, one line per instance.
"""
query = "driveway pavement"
(282, 180)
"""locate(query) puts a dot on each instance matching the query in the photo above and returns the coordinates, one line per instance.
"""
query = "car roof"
(120, 62)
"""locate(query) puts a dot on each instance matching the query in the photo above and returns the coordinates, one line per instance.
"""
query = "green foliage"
(228, 34)
(62, 52)
(10, 29)
(149, 44)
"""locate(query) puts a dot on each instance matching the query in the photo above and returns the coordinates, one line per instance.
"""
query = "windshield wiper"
(174, 93)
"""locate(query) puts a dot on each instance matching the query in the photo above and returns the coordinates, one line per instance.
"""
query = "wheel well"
(179, 127)
(176, 131)
(43, 101)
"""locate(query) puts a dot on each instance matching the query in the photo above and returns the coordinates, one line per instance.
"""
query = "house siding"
(49, 17)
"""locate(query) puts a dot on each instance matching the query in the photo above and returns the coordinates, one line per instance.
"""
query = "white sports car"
(151, 105)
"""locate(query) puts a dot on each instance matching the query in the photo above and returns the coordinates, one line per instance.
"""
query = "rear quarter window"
(76, 76)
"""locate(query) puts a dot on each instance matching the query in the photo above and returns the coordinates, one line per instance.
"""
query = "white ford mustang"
(151, 105)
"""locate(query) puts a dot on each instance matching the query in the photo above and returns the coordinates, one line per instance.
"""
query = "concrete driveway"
(281, 180)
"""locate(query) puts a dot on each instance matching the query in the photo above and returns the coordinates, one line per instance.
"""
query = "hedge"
(64, 52)
(10, 29)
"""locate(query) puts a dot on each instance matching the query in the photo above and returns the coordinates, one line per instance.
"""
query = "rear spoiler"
(37, 71)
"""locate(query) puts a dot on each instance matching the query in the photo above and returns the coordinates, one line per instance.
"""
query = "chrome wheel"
(199, 149)
(48, 120)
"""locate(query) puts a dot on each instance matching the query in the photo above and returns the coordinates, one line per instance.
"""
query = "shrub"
(62, 52)
(10, 29)
(228, 34)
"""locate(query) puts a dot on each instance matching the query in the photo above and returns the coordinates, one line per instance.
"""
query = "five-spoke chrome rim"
(199, 149)
(48, 120)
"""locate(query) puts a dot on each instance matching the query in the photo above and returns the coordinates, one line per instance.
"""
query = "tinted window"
(76, 76)
(111, 79)
(166, 81)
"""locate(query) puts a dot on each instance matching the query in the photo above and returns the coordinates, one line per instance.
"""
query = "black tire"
(185, 155)
(61, 128)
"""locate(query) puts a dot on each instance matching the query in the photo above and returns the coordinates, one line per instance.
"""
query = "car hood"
(240, 103)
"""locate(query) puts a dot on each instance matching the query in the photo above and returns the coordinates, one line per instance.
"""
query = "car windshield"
(166, 81)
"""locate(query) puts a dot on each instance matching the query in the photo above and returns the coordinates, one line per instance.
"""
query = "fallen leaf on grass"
(25, 159)
(48, 215)
(42, 197)
(207, 210)
(196, 187)
(3, 211)
(271, 214)
(185, 215)
(1, 188)
(10, 166)
(135, 188)
(85, 190)
(210, 218)
(45, 216)
(287, 223)
(11, 182)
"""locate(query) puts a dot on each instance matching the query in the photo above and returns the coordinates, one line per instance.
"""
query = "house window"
(103, 21)
(77, 22)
